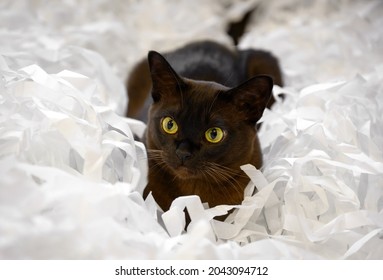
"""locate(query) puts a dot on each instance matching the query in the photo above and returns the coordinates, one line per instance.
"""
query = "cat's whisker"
(227, 170)
(211, 175)
(156, 159)
(225, 177)
(231, 176)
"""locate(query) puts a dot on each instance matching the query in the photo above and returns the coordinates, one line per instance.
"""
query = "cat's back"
(206, 61)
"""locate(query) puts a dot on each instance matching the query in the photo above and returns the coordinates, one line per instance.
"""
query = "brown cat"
(200, 132)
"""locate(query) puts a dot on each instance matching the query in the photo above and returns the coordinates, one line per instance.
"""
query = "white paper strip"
(72, 174)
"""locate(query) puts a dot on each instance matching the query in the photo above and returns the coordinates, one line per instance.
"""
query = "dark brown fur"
(186, 163)
(206, 61)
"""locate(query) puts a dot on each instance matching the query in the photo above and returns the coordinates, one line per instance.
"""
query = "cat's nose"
(183, 155)
(183, 151)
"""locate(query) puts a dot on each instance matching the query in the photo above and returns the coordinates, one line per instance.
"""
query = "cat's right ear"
(165, 80)
(252, 96)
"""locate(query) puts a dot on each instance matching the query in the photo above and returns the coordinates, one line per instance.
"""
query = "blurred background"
(71, 172)
(316, 41)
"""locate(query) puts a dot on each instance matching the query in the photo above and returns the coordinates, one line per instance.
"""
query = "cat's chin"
(183, 172)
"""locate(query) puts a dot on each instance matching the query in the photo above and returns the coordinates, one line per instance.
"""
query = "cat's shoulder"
(205, 60)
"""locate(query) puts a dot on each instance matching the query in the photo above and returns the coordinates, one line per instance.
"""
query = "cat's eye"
(214, 135)
(169, 125)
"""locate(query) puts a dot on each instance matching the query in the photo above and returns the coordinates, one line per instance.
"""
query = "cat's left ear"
(252, 96)
(166, 81)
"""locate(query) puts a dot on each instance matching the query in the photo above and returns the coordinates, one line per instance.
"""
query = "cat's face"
(194, 125)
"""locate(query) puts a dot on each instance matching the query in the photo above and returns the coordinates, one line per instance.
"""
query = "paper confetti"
(72, 173)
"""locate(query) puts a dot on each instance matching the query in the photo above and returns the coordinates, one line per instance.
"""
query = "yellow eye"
(214, 135)
(169, 125)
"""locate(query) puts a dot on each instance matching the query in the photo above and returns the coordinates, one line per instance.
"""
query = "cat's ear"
(252, 96)
(164, 79)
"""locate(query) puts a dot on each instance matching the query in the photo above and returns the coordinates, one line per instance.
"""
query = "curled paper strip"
(46, 119)
(329, 166)
(72, 174)
(312, 194)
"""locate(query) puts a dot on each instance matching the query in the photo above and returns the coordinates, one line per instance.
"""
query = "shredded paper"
(72, 173)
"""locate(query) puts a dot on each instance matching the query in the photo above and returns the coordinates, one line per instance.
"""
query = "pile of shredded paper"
(72, 175)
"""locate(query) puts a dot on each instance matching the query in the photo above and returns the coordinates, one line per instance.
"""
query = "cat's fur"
(208, 91)
(206, 61)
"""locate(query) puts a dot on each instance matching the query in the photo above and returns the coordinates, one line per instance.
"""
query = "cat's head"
(194, 125)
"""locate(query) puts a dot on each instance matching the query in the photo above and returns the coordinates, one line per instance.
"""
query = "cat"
(201, 125)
